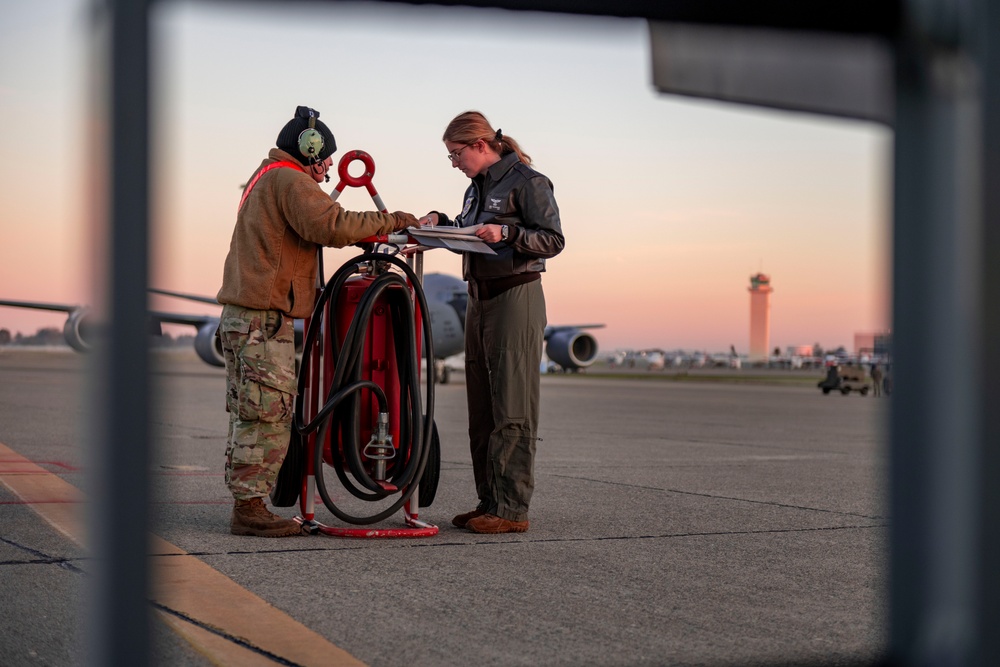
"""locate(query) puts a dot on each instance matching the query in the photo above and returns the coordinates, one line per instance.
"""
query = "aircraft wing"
(570, 346)
(81, 328)
(40, 306)
(78, 323)
(570, 327)
(170, 318)
(206, 343)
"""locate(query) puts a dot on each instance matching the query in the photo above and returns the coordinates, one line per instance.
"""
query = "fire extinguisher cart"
(361, 416)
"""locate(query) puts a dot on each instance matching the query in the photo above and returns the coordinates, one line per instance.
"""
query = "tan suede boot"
(251, 517)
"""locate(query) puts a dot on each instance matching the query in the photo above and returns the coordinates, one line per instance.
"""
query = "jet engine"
(208, 346)
(572, 349)
(78, 330)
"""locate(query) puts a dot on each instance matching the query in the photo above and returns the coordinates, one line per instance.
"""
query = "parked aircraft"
(80, 328)
(447, 298)
(568, 346)
(653, 359)
(656, 359)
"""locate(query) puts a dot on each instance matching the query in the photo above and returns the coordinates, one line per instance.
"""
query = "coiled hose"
(342, 405)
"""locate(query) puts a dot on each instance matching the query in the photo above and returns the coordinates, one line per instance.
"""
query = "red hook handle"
(364, 180)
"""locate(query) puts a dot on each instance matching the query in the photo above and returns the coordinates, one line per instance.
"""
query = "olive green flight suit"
(503, 353)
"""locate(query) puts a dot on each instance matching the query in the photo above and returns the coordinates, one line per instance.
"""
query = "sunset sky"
(668, 204)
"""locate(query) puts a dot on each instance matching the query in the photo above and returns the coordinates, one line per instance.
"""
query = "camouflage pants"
(259, 347)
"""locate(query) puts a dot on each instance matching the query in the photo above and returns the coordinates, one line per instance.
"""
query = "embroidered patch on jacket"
(466, 208)
(494, 204)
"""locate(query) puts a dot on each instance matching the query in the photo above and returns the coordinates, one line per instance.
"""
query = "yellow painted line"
(54, 499)
(204, 598)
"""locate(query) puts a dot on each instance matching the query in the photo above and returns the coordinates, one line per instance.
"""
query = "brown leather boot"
(251, 517)
(492, 524)
(462, 519)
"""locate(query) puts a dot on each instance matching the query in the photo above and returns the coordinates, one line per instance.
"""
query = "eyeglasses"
(454, 155)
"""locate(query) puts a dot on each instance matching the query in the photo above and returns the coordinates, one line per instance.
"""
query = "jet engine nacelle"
(78, 330)
(572, 349)
(208, 346)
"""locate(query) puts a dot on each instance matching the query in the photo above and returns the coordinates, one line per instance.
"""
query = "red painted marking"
(58, 464)
(378, 532)
(39, 502)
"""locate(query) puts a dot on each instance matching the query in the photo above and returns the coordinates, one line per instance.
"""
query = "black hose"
(342, 404)
(353, 347)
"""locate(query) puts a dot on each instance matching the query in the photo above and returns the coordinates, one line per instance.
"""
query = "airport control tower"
(760, 316)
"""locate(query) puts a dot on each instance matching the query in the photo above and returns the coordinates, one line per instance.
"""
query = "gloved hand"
(404, 220)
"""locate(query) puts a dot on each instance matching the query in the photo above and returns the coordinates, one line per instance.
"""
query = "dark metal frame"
(945, 434)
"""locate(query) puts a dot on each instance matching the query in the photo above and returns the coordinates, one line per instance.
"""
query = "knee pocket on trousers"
(247, 455)
(260, 362)
(515, 441)
(260, 402)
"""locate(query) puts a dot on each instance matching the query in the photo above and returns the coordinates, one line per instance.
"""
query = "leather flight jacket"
(511, 193)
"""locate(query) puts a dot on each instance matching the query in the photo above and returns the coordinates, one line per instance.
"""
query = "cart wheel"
(432, 471)
(845, 391)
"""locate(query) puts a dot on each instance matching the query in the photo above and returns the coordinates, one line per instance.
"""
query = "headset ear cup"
(311, 143)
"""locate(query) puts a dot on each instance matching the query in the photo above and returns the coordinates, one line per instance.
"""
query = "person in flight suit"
(505, 320)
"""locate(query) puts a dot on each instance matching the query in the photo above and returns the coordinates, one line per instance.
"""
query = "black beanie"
(288, 138)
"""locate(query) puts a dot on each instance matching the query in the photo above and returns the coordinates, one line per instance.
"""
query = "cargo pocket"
(267, 393)
(509, 395)
(266, 368)
(233, 333)
(249, 454)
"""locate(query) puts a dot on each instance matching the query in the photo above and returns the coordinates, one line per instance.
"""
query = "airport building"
(760, 317)
(799, 350)
(872, 344)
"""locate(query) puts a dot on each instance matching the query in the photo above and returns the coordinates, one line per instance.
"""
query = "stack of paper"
(461, 239)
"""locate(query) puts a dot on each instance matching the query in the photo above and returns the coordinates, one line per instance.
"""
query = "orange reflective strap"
(253, 182)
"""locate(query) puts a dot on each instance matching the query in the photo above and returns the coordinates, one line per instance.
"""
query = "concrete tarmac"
(673, 523)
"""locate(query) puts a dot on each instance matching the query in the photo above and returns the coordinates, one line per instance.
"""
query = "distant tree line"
(52, 336)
